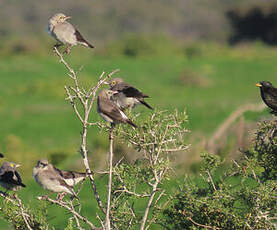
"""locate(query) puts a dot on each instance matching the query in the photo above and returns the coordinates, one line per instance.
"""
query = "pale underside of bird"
(56, 180)
(109, 111)
(128, 96)
(9, 177)
(65, 33)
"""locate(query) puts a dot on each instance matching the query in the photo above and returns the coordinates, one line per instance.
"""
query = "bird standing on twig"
(128, 96)
(9, 177)
(268, 94)
(56, 180)
(65, 33)
(109, 111)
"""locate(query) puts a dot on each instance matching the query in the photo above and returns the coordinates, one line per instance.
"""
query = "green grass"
(38, 122)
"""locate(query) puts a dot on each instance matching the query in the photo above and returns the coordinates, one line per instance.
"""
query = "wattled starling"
(128, 96)
(268, 94)
(9, 177)
(56, 180)
(65, 33)
(109, 111)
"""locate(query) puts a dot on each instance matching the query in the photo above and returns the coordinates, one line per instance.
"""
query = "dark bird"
(128, 96)
(268, 94)
(65, 33)
(109, 111)
(1, 155)
(9, 177)
(56, 180)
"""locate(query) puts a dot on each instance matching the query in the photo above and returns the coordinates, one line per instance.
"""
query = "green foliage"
(264, 152)
(156, 139)
(236, 199)
(13, 212)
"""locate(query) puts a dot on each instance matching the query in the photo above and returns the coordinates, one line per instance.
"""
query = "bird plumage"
(56, 180)
(268, 94)
(9, 177)
(109, 111)
(128, 96)
(65, 33)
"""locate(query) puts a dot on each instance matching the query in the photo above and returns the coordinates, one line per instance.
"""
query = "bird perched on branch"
(56, 180)
(65, 33)
(109, 111)
(9, 177)
(128, 96)
(269, 95)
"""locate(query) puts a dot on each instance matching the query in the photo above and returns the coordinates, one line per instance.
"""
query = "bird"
(56, 180)
(109, 111)
(9, 177)
(268, 94)
(128, 96)
(65, 33)
(1, 155)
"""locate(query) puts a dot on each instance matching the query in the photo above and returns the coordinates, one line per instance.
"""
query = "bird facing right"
(268, 94)
(9, 177)
(65, 33)
(128, 96)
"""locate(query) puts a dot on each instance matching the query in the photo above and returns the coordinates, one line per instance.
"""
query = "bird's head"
(58, 18)
(13, 165)
(115, 81)
(106, 93)
(42, 164)
(264, 85)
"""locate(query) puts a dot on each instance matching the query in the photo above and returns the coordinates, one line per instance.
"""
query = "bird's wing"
(11, 178)
(18, 178)
(69, 174)
(111, 110)
(128, 90)
(81, 39)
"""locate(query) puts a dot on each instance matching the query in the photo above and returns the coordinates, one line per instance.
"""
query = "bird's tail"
(145, 104)
(131, 123)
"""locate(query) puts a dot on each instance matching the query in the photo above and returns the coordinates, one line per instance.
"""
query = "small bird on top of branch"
(109, 111)
(128, 96)
(65, 33)
(56, 180)
(9, 177)
(268, 94)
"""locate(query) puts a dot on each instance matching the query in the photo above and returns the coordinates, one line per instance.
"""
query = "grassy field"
(207, 80)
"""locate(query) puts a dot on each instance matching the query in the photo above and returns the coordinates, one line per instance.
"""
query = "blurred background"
(202, 56)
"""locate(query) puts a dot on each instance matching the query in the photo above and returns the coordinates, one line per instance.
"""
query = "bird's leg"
(60, 196)
(57, 45)
(67, 50)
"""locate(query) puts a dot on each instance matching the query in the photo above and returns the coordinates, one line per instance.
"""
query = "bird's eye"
(12, 165)
(113, 82)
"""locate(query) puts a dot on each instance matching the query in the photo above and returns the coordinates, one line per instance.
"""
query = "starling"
(56, 180)
(128, 96)
(109, 111)
(268, 94)
(65, 33)
(9, 177)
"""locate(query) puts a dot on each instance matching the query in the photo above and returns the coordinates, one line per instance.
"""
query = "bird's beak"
(115, 92)
(106, 83)
(67, 17)
(17, 165)
(258, 85)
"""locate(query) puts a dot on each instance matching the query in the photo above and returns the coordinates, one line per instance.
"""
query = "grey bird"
(128, 96)
(65, 33)
(109, 111)
(9, 177)
(56, 180)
